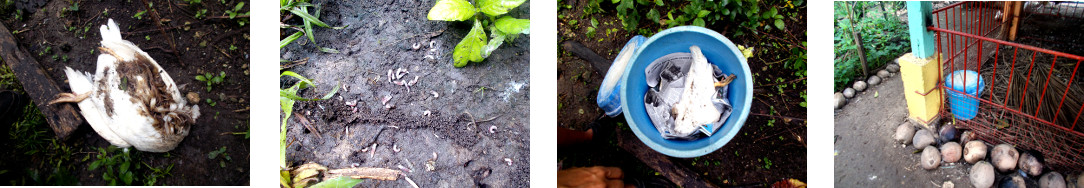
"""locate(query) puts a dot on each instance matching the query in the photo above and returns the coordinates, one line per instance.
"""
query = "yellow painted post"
(920, 76)
(919, 69)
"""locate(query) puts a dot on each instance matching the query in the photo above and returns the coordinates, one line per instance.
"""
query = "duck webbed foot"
(69, 97)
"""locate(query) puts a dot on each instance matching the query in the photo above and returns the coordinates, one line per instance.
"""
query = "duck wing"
(94, 108)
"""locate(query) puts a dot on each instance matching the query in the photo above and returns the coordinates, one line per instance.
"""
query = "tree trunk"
(858, 43)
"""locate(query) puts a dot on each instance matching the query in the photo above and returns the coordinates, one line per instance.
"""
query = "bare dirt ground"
(442, 149)
(866, 155)
(59, 37)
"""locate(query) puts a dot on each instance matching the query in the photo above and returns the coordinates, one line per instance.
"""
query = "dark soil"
(1052, 32)
(770, 147)
(65, 38)
(381, 36)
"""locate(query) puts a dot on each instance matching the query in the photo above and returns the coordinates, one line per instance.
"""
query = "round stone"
(874, 80)
(859, 86)
(849, 93)
(840, 100)
(883, 74)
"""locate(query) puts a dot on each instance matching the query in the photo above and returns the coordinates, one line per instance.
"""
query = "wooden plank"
(63, 118)
(681, 176)
(598, 62)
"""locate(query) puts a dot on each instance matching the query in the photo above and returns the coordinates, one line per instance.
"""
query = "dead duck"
(130, 100)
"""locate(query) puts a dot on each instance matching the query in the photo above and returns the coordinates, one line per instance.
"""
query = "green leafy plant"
(201, 13)
(116, 166)
(211, 79)
(74, 7)
(236, 11)
(300, 8)
(287, 98)
(139, 15)
(473, 47)
(750, 15)
(220, 152)
(156, 172)
(883, 38)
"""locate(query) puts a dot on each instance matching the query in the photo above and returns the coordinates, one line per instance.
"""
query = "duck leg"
(725, 81)
(110, 52)
(69, 97)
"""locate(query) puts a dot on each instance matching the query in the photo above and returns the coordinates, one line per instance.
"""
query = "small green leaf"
(494, 8)
(127, 178)
(201, 78)
(653, 15)
(304, 14)
(452, 10)
(470, 48)
(703, 13)
(94, 165)
(341, 181)
(779, 24)
(497, 39)
(509, 25)
(659, 3)
(698, 22)
(289, 39)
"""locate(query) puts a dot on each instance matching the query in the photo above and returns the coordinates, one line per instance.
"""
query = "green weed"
(116, 166)
(300, 8)
(287, 98)
(473, 47)
(211, 79)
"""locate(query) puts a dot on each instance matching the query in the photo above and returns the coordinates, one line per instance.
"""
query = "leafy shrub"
(748, 14)
(883, 39)
(473, 47)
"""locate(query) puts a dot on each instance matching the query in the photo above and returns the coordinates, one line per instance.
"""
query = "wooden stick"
(1015, 20)
(37, 82)
(681, 176)
(364, 173)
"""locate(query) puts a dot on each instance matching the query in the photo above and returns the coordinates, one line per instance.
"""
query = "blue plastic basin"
(719, 51)
(962, 106)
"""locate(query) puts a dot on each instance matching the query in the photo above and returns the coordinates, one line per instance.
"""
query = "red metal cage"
(1033, 97)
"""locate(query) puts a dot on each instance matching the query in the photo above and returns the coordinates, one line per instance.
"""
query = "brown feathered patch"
(102, 85)
(145, 84)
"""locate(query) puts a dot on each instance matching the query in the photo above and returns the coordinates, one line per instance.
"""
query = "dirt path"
(866, 155)
(444, 148)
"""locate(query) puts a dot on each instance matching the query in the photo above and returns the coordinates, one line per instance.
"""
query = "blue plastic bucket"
(719, 51)
(970, 82)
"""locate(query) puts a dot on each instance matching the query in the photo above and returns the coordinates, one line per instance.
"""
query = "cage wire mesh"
(1033, 97)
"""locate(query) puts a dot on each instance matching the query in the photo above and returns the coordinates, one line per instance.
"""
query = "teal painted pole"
(918, 17)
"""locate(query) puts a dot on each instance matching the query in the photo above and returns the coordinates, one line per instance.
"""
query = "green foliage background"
(883, 38)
